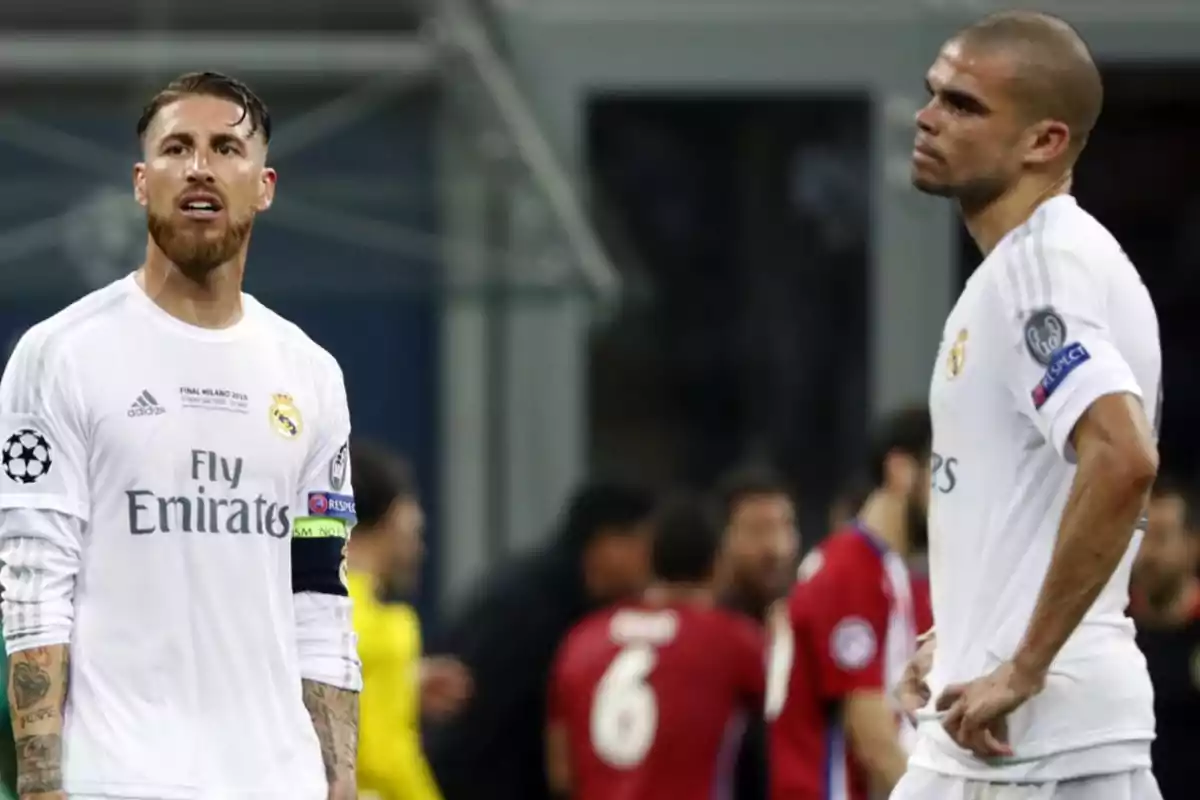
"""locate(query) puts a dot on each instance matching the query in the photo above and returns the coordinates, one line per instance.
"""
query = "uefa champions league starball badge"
(26, 456)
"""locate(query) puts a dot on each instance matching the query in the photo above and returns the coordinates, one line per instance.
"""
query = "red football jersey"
(828, 641)
(653, 700)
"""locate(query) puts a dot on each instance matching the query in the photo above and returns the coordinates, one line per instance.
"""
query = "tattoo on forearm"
(34, 717)
(39, 759)
(37, 689)
(334, 714)
(31, 683)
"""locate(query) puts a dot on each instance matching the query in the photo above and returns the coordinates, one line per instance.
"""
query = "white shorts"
(921, 784)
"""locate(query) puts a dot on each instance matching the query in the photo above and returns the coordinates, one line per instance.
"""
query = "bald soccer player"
(1045, 399)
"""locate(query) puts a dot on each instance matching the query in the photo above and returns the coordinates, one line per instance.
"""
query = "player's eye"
(227, 149)
(962, 104)
(173, 149)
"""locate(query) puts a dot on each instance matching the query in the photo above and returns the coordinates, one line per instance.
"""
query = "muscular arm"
(1117, 464)
(873, 733)
(37, 689)
(334, 714)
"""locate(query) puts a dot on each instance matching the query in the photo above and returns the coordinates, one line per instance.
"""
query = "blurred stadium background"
(547, 236)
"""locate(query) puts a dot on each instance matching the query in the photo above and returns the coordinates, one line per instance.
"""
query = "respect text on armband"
(212, 504)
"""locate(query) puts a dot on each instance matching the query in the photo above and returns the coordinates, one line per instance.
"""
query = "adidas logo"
(145, 406)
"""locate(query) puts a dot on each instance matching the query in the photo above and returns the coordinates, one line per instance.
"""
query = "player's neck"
(363, 558)
(214, 302)
(886, 517)
(991, 222)
(670, 594)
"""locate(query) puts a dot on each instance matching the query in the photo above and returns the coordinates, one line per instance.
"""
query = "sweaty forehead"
(201, 116)
(961, 68)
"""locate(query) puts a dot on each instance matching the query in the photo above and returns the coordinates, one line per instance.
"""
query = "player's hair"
(1056, 76)
(210, 84)
(604, 506)
(686, 540)
(747, 481)
(1169, 484)
(853, 493)
(908, 431)
(380, 478)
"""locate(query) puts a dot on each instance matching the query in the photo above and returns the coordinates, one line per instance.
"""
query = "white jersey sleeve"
(325, 639)
(326, 504)
(43, 431)
(40, 556)
(1063, 353)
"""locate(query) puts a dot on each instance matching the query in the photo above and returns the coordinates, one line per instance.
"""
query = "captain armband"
(319, 543)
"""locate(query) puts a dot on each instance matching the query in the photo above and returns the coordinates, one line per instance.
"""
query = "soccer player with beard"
(175, 500)
(841, 641)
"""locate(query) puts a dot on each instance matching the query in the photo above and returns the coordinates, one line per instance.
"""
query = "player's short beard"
(972, 194)
(195, 254)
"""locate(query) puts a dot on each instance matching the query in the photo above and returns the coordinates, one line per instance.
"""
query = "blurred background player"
(507, 631)
(1045, 397)
(648, 699)
(757, 567)
(384, 556)
(841, 641)
(760, 542)
(1165, 604)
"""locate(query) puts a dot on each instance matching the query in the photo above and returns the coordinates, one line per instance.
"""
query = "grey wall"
(565, 49)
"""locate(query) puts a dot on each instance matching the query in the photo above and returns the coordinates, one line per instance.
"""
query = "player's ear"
(266, 188)
(1049, 140)
(139, 183)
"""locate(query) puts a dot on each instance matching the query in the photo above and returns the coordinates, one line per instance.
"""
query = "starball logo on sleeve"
(214, 504)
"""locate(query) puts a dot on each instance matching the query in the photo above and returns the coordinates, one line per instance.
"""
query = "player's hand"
(977, 712)
(912, 692)
(445, 686)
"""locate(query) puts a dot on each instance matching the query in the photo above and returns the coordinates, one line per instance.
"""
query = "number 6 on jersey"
(624, 714)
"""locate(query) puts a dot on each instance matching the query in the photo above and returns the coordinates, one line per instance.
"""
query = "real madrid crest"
(957, 358)
(285, 417)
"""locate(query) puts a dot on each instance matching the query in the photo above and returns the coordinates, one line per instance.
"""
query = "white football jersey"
(1054, 318)
(193, 457)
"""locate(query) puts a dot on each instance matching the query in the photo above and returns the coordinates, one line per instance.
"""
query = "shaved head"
(1053, 74)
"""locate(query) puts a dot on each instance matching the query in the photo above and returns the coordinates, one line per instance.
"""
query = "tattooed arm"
(37, 689)
(334, 714)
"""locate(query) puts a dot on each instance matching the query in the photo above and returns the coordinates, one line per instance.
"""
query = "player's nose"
(198, 170)
(926, 118)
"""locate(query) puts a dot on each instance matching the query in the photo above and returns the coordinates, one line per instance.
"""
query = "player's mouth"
(925, 154)
(201, 205)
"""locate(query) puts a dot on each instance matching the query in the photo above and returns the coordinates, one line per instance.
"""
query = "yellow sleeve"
(419, 781)
(391, 765)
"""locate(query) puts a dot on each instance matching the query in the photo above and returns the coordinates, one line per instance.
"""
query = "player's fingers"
(978, 745)
(994, 746)
(950, 695)
(913, 697)
(952, 722)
